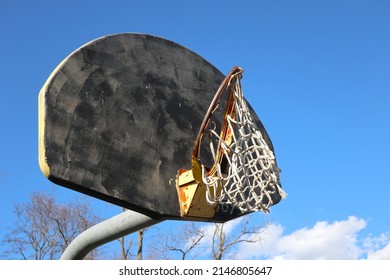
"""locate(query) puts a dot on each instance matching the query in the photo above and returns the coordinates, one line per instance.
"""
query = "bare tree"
(216, 240)
(222, 241)
(43, 228)
(126, 245)
(140, 243)
(125, 248)
(184, 242)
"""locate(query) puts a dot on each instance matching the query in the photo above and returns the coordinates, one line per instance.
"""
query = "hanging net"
(244, 173)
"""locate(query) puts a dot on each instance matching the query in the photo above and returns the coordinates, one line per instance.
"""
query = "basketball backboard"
(118, 118)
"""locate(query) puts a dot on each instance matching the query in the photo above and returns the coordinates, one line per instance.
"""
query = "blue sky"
(316, 72)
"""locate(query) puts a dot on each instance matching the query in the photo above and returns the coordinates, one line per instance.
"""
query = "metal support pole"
(106, 231)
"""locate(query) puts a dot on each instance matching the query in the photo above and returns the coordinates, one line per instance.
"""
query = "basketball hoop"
(244, 173)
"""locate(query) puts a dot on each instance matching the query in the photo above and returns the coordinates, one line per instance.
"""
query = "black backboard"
(118, 118)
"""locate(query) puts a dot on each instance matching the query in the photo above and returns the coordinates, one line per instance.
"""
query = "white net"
(245, 174)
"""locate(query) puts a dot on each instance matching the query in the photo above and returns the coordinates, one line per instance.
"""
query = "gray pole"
(106, 231)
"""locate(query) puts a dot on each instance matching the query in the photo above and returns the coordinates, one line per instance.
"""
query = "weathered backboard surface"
(118, 118)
